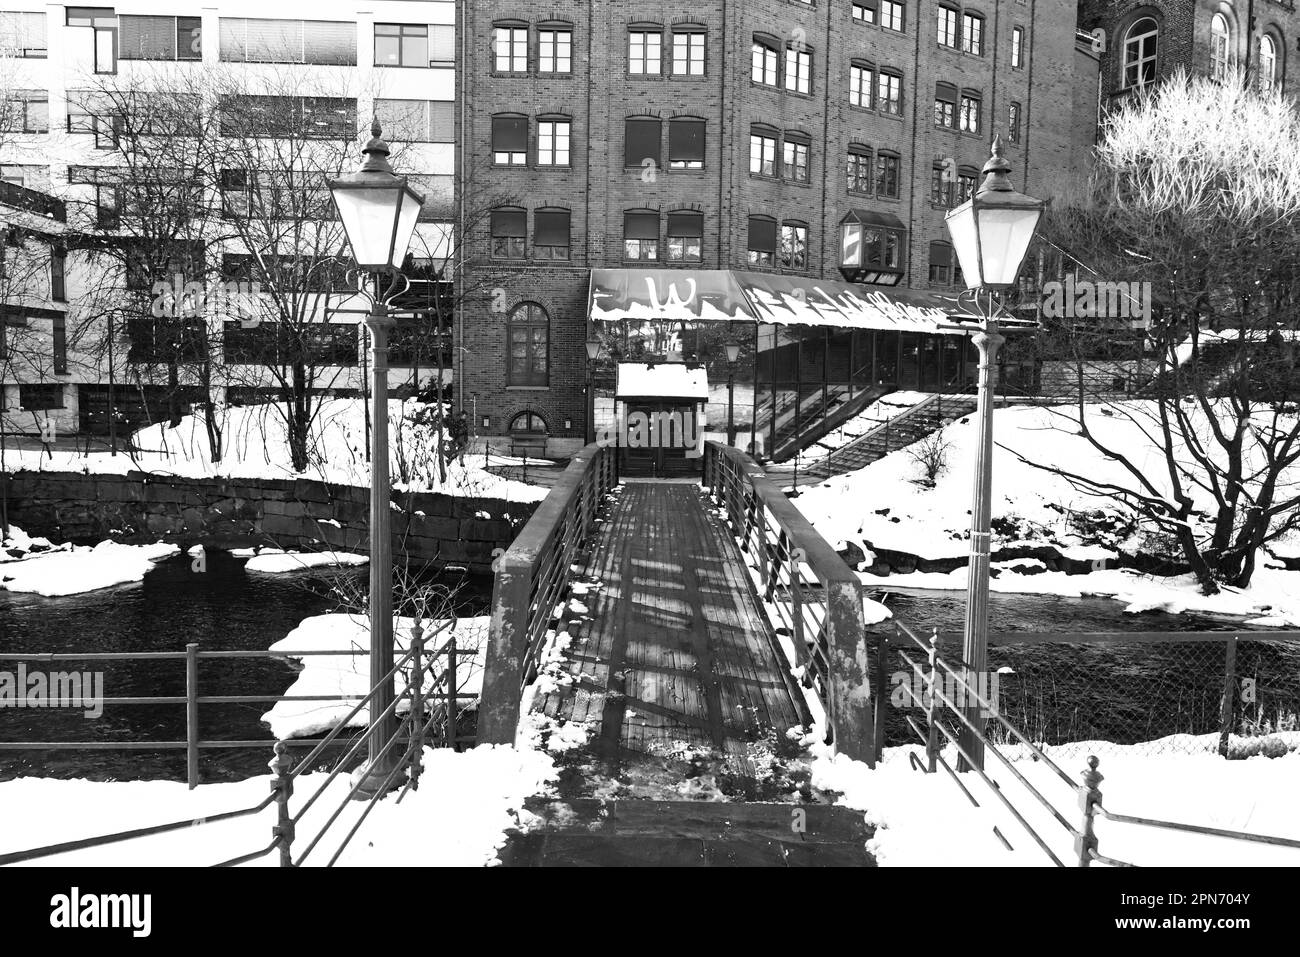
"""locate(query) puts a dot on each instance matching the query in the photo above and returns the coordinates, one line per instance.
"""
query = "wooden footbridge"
(665, 614)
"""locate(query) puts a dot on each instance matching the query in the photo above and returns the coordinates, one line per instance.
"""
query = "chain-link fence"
(1166, 693)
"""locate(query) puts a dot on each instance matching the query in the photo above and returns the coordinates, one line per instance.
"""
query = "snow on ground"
(277, 561)
(884, 507)
(349, 675)
(255, 445)
(72, 570)
(457, 817)
(924, 820)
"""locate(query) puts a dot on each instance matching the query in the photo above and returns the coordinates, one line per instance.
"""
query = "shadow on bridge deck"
(675, 654)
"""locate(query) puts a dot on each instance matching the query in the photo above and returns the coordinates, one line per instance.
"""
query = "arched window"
(1220, 47)
(1267, 63)
(529, 422)
(1140, 42)
(528, 332)
(765, 62)
(941, 260)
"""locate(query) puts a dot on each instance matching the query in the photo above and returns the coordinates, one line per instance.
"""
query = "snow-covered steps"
(592, 832)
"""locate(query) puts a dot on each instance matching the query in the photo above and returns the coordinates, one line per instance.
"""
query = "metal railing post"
(282, 786)
(192, 714)
(416, 689)
(1085, 845)
(932, 706)
(452, 701)
(1229, 692)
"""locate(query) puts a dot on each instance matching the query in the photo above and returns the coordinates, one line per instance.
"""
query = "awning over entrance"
(662, 380)
(710, 295)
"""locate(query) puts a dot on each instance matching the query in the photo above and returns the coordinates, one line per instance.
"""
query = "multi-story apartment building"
(764, 150)
(1143, 42)
(331, 64)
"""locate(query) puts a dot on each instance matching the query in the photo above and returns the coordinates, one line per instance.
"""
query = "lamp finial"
(996, 169)
(376, 151)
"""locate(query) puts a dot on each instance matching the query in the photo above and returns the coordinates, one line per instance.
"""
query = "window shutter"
(442, 43)
(509, 223)
(234, 34)
(945, 91)
(642, 140)
(551, 227)
(331, 42)
(439, 192)
(686, 224)
(940, 254)
(762, 234)
(404, 119)
(146, 38)
(274, 41)
(686, 140)
(442, 121)
(641, 226)
(509, 134)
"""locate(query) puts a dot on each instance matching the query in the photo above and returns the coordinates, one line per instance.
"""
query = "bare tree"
(1196, 204)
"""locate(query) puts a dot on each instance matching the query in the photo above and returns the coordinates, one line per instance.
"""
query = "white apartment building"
(394, 59)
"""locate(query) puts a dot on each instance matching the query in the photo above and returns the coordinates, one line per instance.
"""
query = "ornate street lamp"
(733, 353)
(379, 210)
(991, 233)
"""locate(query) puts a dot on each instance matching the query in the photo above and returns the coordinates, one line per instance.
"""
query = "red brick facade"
(600, 93)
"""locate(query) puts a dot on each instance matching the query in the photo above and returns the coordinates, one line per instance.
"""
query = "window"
(762, 152)
(551, 234)
(891, 15)
(969, 115)
(528, 422)
(947, 24)
(1140, 44)
(794, 159)
(1017, 47)
(509, 233)
(685, 236)
(794, 246)
(258, 40)
(1220, 47)
(966, 178)
(858, 178)
(764, 65)
(887, 165)
(15, 175)
(861, 82)
(889, 93)
(58, 274)
(509, 140)
(35, 398)
(798, 69)
(1013, 122)
(553, 142)
(688, 52)
(642, 142)
(972, 33)
(103, 24)
(863, 13)
(945, 105)
(528, 329)
(309, 117)
(762, 241)
(418, 121)
(30, 111)
(22, 35)
(645, 52)
(401, 44)
(510, 48)
(555, 49)
(1267, 63)
(940, 186)
(685, 143)
(60, 336)
(160, 38)
(940, 263)
(641, 235)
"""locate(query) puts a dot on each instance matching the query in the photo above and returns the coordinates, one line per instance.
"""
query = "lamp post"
(991, 233)
(593, 353)
(733, 353)
(379, 211)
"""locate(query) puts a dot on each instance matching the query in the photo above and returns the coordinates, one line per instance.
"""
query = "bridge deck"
(676, 649)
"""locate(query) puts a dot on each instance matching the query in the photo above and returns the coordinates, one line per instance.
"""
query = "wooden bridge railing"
(532, 577)
(814, 593)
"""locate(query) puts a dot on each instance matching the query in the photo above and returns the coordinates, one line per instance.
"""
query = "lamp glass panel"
(851, 244)
(367, 214)
(961, 227)
(1005, 235)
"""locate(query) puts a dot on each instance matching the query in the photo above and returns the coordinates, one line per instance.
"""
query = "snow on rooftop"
(667, 379)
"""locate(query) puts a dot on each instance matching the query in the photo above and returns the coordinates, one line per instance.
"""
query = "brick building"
(719, 135)
(1143, 42)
